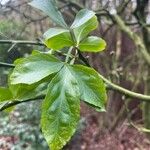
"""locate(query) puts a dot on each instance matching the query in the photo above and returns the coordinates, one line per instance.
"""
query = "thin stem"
(118, 88)
(72, 35)
(83, 58)
(12, 46)
(16, 102)
(74, 58)
(135, 37)
(125, 91)
(21, 42)
(111, 85)
(6, 65)
(68, 54)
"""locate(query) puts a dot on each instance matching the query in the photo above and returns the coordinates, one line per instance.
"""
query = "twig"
(136, 39)
(124, 91)
(13, 103)
(6, 65)
(21, 42)
(12, 47)
(118, 88)
(123, 6)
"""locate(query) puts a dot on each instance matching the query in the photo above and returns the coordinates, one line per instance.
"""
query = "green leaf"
(56, 38)
(91, 86)
(49, 8)
(84, 23)
(92, 44)
(61, 109)
(34, 68)
(5, 94)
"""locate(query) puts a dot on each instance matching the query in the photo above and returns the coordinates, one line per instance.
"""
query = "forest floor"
(92, 138)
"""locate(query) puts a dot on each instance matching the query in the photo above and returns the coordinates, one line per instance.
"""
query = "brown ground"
(123, 138)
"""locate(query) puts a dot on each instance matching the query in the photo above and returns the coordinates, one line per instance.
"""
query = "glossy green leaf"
(34, 68)
(92, 44)
(91, 86)
(49, 8)
(56, 38)
(84, 23)
(5, 94)
(60, 110)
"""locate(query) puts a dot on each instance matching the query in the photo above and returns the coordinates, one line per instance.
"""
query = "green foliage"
(85, 22)
(63, 83)
(60, 111)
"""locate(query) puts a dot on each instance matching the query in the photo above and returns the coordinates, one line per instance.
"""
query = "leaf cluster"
(63, 83)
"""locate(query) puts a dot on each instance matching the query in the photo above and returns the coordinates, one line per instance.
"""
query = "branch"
(109, 83)
(6, 65)
(118, 88)
(136, 39)
(73, 4)
(125, 91)
(16, 102)
(123, 6)
(21, 42)
(139, 43)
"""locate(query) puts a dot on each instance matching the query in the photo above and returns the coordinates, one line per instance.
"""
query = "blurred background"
(125, 25)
